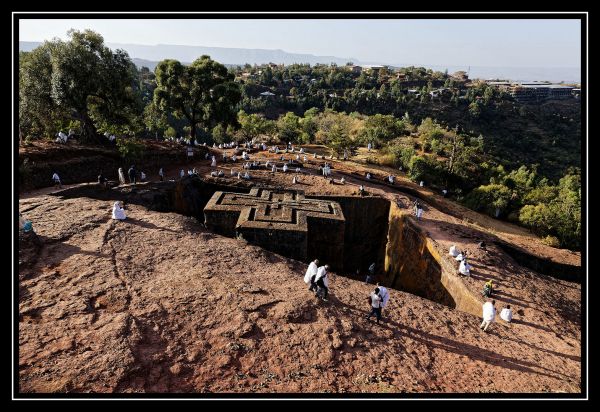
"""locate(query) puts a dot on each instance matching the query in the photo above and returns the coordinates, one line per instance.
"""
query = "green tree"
(492, 199)
(288, 127)
(251, 126)
(81, 80)
(203, 93)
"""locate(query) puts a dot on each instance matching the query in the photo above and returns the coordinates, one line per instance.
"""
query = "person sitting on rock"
(453, 251)
(247, 176)
(102, 181)
(368, 175)
(342, 180)
(295, 180)
(274, 168)
(285, 168)
(220, 173)
(464, 268)
(322, 282)
(118, 212)
(311, 274)
(506, 314)
(461, 256)
(481, 245)
(376, 302)
(489, 314)
(214, 173)
(361, 190)
(488, 288)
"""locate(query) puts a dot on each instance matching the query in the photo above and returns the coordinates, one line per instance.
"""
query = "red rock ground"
(158, 304)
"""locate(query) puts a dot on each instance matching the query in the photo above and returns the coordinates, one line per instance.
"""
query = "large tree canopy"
(202, 93)
(79, 79)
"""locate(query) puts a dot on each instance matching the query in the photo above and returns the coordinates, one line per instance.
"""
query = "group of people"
(318, 280)
(489, 314)
(464, 267)
(317, 277)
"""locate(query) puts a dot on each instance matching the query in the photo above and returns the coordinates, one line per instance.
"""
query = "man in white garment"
(464, 268)
(419, 213)
(121, 176)
(285, 168)
(56, 180)
(322, 281)
(376, 304)
(453, 251)
(385, 295)
(506, 314)
(489, 314)
(310, 275)
(118, 212)
(213, 162)
(161, 173)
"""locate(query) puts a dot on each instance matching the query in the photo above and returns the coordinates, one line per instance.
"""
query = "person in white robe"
(464, 268)
(453, 251)
(385, 295)
(121, 176)
(342, 180)
(459, 257)
(310, 272)
(118, 212)
(322, 281)
(295, 180)
(489, 314)
(285, 168)
(213, 162)
(182, 174)
(56, 180)
(506, 314)
(274, 169)
(419, 213)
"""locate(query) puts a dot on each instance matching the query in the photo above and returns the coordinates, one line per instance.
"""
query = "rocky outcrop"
(156, 303)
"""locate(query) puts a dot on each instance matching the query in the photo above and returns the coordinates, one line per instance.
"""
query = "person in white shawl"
(459, 257)
(285, 168)
(506, 314)
(453, 251)
(385, 295)
(121, 176)
(118, 212)
(489, 314)
(213, 162)
(464, 268)
(311, 273)
(322, 281)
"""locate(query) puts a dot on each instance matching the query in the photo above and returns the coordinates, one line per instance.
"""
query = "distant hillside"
(230, 56)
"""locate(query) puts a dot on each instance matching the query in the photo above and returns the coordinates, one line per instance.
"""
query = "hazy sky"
(499, 43)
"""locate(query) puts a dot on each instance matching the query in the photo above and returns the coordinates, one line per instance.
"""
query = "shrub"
(131, 149)
(551, 241)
